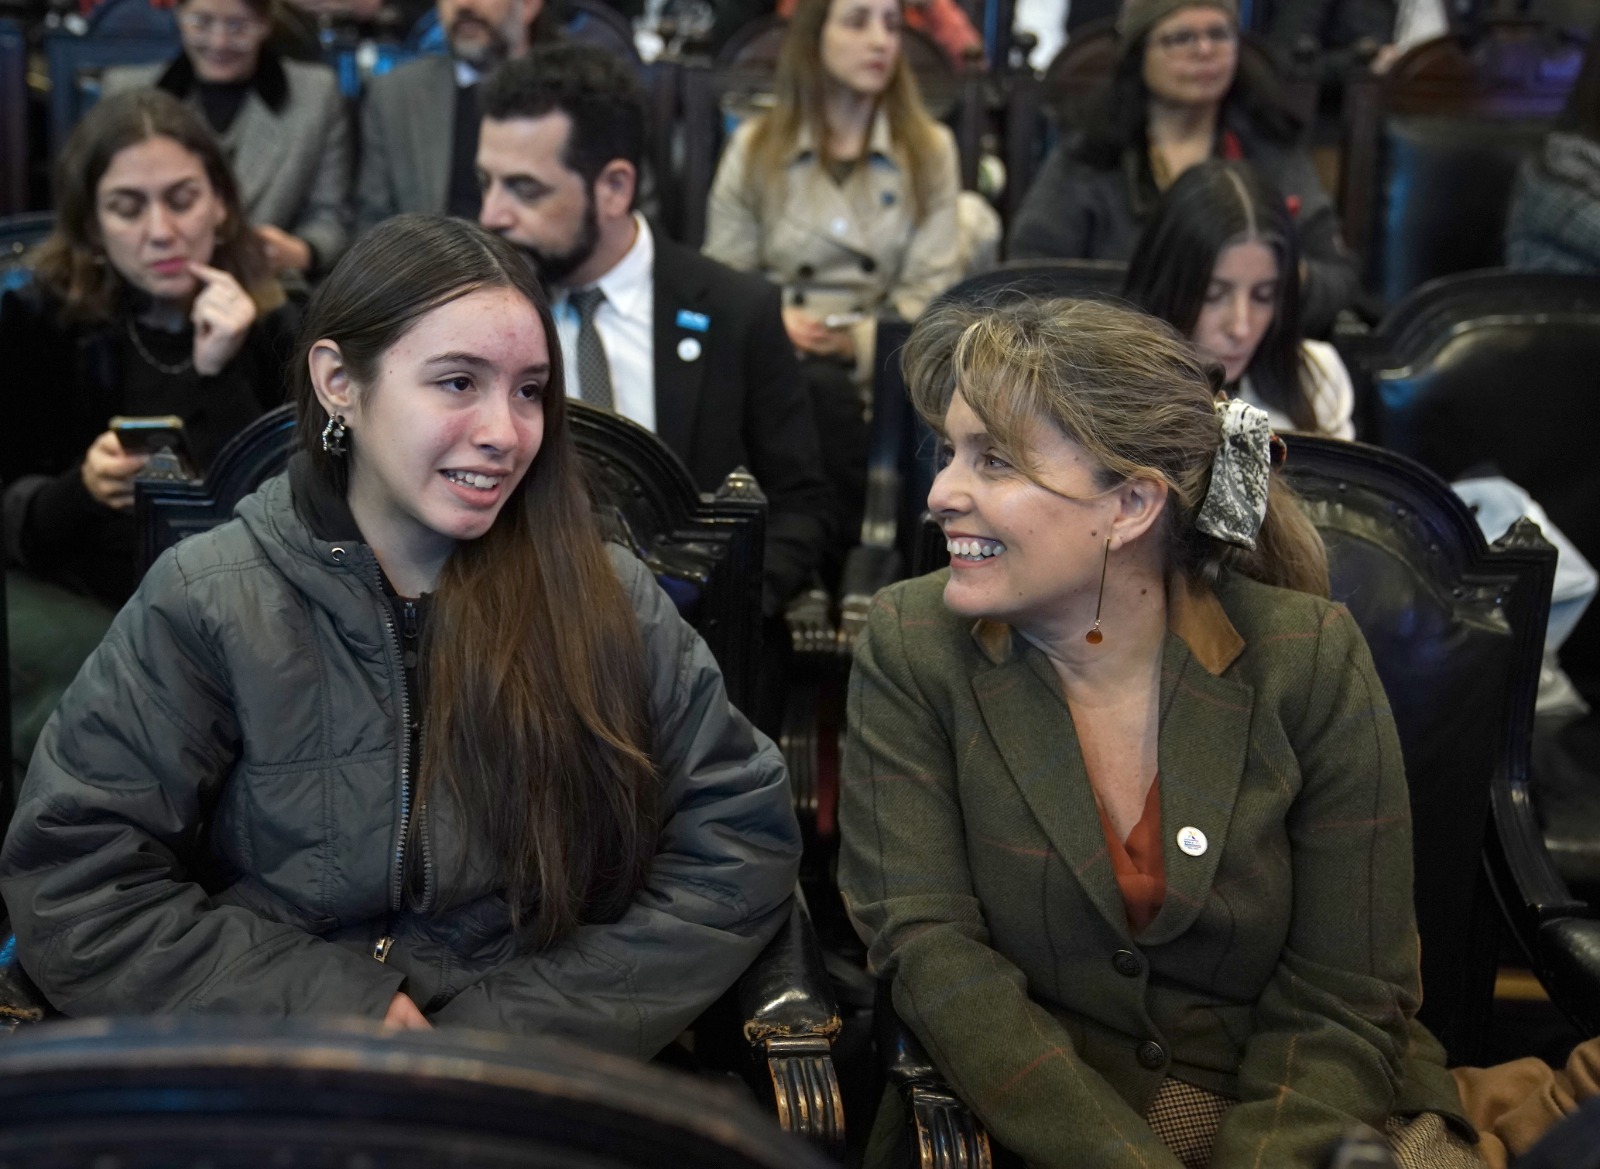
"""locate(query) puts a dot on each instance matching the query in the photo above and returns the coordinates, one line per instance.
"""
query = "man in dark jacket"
(684, 346)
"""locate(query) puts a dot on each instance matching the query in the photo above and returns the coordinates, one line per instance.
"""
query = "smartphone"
(161, 437)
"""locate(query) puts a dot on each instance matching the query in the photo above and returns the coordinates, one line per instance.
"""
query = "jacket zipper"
(397, 875)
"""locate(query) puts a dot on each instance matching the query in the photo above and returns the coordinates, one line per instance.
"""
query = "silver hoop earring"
(336, 436)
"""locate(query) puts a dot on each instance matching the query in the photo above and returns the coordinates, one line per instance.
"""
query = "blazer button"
(805, 272)
(869, 265)
(1126, 963)
(798, 299)
(1151, 1054)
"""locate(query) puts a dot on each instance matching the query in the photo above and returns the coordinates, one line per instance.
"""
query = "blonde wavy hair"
(1126, 388)
(799, 89)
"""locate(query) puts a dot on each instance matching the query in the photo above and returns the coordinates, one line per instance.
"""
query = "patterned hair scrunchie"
(1236, 502)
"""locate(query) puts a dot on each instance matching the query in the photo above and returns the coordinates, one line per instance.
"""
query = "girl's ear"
(330, 378)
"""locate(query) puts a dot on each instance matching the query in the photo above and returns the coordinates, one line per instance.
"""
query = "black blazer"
(734, 398)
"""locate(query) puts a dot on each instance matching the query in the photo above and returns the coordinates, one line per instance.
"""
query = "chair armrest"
(942, 1131)
(790, 1019)
(1570, 947)
(810, 625)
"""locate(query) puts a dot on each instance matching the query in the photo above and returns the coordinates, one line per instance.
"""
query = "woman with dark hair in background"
(1181, 93)
(150, 297)
(405, 739)
(282, 125)
(1554, 221)
(1220, 262)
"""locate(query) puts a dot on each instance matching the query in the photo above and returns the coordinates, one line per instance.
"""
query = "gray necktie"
(594, 371)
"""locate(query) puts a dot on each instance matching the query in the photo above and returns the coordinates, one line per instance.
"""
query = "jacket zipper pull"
(381, 948)
(408, 626)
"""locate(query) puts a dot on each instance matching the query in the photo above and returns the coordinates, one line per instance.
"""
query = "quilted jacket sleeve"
(107, 919)
(718, 889)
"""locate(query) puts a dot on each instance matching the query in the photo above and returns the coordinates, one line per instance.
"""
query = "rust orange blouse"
(1137, 862)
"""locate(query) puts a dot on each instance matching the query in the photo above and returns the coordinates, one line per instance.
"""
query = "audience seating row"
(1450, 109)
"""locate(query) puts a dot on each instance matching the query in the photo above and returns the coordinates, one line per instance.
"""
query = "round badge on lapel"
(688, 349)
(1192, 841)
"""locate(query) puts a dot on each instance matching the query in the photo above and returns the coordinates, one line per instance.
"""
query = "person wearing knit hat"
(1180, 93)
(1138, 17)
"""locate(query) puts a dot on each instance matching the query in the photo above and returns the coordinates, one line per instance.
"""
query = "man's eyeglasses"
(1187, 40)
(203, 24)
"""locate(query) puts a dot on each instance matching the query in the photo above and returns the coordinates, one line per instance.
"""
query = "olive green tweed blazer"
(1282, 969)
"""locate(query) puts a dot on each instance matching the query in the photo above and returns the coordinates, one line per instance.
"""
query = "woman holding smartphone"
(151, 297)
(404, 739)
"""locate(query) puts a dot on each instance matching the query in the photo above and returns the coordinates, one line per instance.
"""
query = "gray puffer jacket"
(212, 820)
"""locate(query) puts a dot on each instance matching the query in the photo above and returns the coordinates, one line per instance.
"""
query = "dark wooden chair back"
(1432, 147)
(1497, 369)
(1456, 629)
(244, 1092)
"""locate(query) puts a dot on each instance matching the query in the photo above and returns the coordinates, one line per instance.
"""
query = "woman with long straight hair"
(1220, 262)
(846, 194)
(405, 739)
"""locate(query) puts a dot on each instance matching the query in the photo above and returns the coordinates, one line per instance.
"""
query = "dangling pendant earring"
(1094, 636)
(335, 435)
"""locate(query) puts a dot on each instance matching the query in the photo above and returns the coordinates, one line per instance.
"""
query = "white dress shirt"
(626, 323)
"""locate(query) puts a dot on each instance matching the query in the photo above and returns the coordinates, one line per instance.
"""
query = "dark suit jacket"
(740, 403)
(407, 129)
(1282, 969)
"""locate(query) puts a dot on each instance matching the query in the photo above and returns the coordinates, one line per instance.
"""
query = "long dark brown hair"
(1214, 205)
(72, 263)
(536, 701)
(1127, 389)
(799, 89)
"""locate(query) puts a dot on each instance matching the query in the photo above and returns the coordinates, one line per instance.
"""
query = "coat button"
(1151, 1054)
(1126, 963)
(869, 265)
(805, 272)
(798, 299)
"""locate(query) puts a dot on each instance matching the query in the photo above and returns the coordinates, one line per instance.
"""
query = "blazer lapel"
(254, 168)
(679, 302)
(1204, 743)
(1022, 705)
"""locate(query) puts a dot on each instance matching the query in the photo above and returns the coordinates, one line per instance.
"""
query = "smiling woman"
(1123, 816)
(587, 841)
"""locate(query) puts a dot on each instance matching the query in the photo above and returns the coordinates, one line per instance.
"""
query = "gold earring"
(1094, 636)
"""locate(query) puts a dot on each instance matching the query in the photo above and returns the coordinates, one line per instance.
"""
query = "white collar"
(629, 285)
